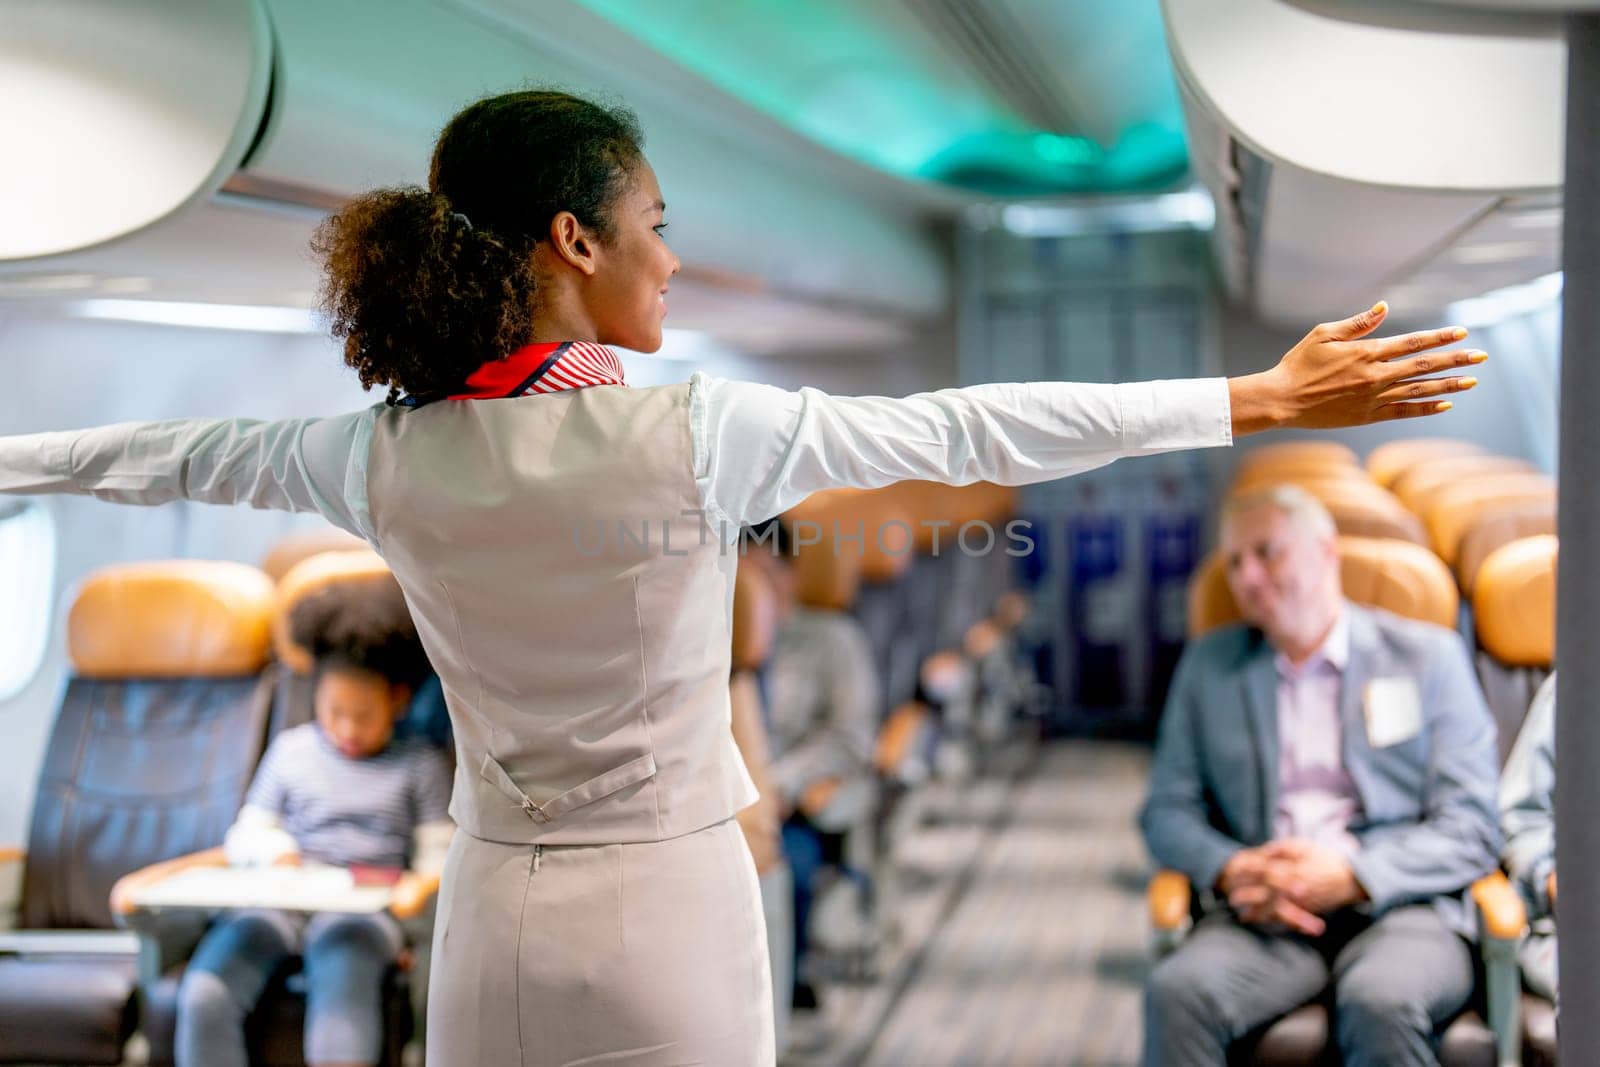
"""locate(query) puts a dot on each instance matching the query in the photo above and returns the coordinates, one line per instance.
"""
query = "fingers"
(1431, 362)
(1427, 387)
(1293, 915)
(1419, 410)
(1409, 344)
(1357, 325)
(1249, 897)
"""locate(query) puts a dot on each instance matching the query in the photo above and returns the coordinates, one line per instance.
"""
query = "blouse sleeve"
(760, 450)
(290, 465)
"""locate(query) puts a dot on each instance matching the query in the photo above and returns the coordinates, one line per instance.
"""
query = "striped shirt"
(346, 811)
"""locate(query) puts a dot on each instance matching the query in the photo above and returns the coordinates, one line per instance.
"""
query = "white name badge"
(1393, 710)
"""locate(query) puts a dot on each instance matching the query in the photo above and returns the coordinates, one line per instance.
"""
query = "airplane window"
(27, 574)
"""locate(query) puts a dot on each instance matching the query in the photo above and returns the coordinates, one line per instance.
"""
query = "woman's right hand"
(1337, 376)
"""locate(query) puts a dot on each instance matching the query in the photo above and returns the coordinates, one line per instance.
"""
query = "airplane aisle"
(1041, 950)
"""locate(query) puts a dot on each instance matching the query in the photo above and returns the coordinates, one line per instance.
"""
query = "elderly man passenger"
(1325, 775)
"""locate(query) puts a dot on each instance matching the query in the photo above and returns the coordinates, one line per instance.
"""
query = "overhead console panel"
(1360, 150)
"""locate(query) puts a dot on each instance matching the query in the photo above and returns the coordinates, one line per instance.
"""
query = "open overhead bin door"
(1360, 150)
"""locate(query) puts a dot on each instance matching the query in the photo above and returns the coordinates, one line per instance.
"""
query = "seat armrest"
(897, 748)
(69, 943)
(1500, 908)
(122, 905)
(836, 805)
(818, 795)
(12, 860)
(1502, 920)
(412, 894)
(1168, 898)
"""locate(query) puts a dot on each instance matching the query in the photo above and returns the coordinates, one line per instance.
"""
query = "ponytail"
(420, 296)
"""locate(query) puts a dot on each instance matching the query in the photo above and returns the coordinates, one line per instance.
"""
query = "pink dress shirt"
(1317, 800)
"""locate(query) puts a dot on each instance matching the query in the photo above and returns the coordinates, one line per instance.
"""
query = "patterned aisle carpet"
(1024, 933)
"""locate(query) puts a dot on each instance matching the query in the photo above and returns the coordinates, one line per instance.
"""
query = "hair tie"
(459, 217)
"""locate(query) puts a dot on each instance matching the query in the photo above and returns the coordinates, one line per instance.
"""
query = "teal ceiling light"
(1004, 98)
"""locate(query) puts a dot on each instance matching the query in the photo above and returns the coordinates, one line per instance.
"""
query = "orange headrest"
(1419, 482)
(1388, 462)
(755, 617)
(302, 546)
(827, 577)
(172, 619)
(1500, 526)
(1396, 576)
(313, 575)
(887, 529)
(1371, 520)
(1300, 472)
(1454, 509)
(1514, 602)
(1299, 452)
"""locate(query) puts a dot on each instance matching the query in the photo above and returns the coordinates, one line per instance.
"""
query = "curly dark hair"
(427, 285)
(361, 625)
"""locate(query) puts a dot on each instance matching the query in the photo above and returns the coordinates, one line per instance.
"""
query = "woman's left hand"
(1337, 376)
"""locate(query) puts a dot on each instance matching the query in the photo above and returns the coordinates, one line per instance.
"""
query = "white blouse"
(758, 450)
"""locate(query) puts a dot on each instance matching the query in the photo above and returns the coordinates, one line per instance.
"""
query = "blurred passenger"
(1528, 816)
(1326, 776)
(339, 791)
(823, 715)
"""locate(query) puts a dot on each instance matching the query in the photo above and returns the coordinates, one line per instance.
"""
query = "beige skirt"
(645, 955)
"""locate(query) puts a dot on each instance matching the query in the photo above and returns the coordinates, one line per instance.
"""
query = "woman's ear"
(571, 242)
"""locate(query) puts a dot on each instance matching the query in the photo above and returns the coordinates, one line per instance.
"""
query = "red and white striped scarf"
(549, 367)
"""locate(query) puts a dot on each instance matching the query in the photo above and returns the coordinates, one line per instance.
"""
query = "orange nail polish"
(1467, 383)
(1444, 405)
(1477, 357)
(1457, 334)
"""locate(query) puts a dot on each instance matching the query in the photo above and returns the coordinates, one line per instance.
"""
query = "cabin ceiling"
(1002, 98)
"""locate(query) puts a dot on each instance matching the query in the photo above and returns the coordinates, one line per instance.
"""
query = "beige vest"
(575, 606)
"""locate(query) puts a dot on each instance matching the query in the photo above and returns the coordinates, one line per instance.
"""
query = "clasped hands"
(1291, 882)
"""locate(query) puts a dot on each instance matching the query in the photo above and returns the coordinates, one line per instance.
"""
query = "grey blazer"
(1428, 825)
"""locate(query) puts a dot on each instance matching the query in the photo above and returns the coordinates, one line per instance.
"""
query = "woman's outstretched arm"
(761, 450)
(291, 465)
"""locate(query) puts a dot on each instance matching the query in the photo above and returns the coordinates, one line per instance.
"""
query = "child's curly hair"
(362, 625)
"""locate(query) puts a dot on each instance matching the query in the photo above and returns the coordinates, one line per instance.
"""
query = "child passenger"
(339, 791)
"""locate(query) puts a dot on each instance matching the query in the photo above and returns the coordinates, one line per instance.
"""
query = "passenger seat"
(158, 732)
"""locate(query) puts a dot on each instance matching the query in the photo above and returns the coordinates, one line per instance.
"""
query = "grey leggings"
(345, 960)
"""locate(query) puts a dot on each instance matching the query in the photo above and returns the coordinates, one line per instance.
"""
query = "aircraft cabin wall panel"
(63, 374)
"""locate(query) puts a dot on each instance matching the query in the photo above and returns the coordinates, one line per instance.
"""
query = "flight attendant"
(600, 905)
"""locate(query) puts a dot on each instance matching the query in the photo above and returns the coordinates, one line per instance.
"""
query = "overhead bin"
(1359, 150)
(121, 115)
(364, 88)
(139, 113)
